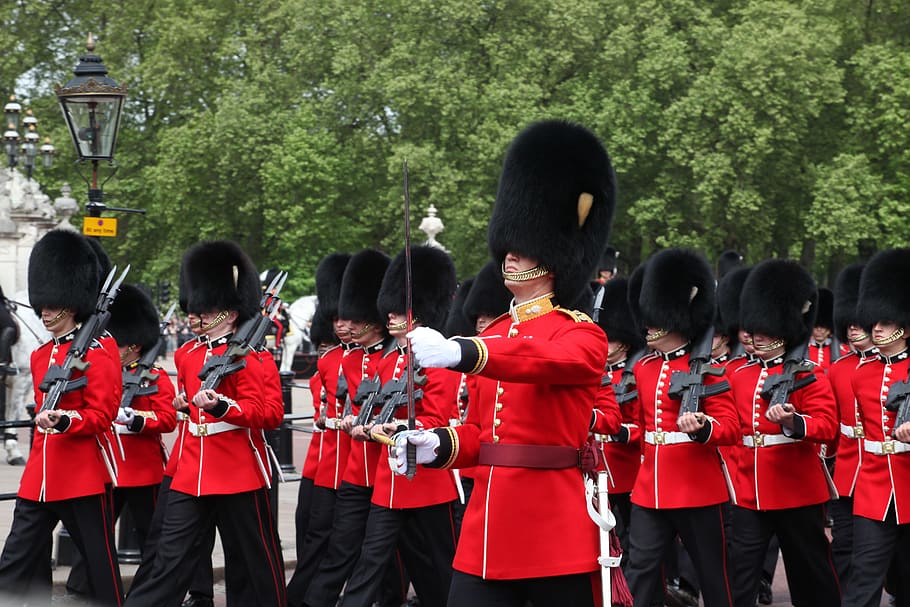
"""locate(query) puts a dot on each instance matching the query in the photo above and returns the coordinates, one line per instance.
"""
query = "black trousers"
(25, 565)
(314, 545)
(302, 513)
(702, 533)
(150, 546)
(874, 545)
(254, 569)
(141, 501)
(803, 544)
(425, 538)
(563, 590)
(842, 538)
(621, 505)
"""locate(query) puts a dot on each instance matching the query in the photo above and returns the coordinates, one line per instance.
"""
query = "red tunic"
(336, 444)
(273, 407)
(227, 461)
(314, 451)
(536, 383)
(177, 448)
(686, 474)
(361, 467)
(786, 475)
(623, 459)
(882, 478)
(429, 486)
(142, 461)
(849, 446)
(820, 354)
(68, 464)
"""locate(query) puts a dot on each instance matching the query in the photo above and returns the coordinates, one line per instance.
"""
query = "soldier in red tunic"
(823, 349)
(220, 478)
(525, 535)
(881, 497)
(65, 476)
(781, 485)
(673, 298)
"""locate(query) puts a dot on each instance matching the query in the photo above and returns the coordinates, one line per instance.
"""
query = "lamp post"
(92, 104)
(29, 150)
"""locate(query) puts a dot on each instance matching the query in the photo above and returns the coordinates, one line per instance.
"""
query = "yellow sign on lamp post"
(99, 226)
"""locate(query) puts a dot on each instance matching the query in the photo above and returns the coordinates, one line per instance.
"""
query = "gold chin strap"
(366, 329)
(890, 339)
(220, 318)
(401, 326)
(859, 338)
(656, 335)
(774, 345)
(535, 272)
(56, 319)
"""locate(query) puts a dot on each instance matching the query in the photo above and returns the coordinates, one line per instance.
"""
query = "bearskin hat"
(63, 272)
(884, 289)
(779, 299)
(846, 296)
(825, 315)
(322, 330)
(457, 323)
(329, 273)
(433, 286)
(616, 318)
(183, 290)
(728, 260)
(555, 203)
(104, 261)
(608, 260)
(729, 290)
(677, 293)
(633, 293)
(489, 295)
(219, 275)
(360, 287)
(134, 319)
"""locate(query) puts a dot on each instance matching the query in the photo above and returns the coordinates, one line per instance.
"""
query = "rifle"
(366, 396)
(247, 338)
(623, 388)
(899, 400)
(132, 380)
(689, 387)
(394, 394)
(57, 380)
(780, 386)
(343, 394)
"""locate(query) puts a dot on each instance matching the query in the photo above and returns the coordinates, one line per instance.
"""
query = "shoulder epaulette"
(576, 315)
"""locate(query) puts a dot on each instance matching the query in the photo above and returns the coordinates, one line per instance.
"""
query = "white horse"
(19, 390)
(300, 315)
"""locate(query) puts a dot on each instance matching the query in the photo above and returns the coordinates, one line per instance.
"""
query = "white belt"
(767, 440)
(333, 423)
(666, 438)
(212, 428)
(852, 431)
(887, 447)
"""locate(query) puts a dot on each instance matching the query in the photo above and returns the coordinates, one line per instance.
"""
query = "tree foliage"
(775, 128)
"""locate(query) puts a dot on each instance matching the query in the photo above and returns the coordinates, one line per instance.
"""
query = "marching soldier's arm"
(722, 426)
(815, 418)
(160, 417)
(240, 396)
(606, 418)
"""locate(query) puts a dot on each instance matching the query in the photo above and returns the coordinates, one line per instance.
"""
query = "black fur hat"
(825, 315)
(134, 319)
(63, 272)
(884, 289)
(608, 260)
(219, 275)
(329, 273)
(846, 296)
(779, 299)
(489, 295)
(728, 260)
(183, 290)
(555, 203)
(360, 287)
(457, 322)
(104, 261)
(616, 317)
(677, 293)
(321, 329)
(729, 290)
(433, 286)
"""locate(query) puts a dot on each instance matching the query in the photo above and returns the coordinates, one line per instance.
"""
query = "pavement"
(287, 503)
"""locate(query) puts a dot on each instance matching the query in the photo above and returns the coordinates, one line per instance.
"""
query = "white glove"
(125, 416)
(426, 442)
(432, 350)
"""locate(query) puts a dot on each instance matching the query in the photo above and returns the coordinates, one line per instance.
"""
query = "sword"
(408, 304)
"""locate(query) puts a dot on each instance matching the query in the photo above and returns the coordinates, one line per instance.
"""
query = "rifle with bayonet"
(623, 389)
(779, 386)
(394, 394)
(247, 338)
(57, 380)
(132, 379)
(689, 387)
(366, 397)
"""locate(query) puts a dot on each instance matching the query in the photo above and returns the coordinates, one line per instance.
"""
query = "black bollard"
(128, 548)
(285, 435)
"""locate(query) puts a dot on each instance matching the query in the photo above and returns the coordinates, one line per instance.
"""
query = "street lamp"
(92, 103)
(29, 143)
